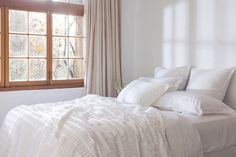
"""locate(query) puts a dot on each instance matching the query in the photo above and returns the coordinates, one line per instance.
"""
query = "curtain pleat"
(103, 50)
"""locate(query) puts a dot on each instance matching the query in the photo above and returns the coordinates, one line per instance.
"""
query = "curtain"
(103, 50)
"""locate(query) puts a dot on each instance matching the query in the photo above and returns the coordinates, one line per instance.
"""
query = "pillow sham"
(188, 103)
(213, 82)
(180, 73)
(143, 91)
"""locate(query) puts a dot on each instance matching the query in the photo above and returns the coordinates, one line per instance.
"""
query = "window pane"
(37, 46)
(67, 47)
(18, 45)
(30, 45)
(60, 47)
(60, 24)
(18, 21)
(18, 70)
(76, 47)
(77, 1)
(71, 1)
(37, 69)
(60, 69)
(37, 23)
(76, 69)
(76, 26)
(61, 1)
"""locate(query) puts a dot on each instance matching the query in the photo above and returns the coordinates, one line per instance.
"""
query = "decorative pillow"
(213, 83)
(180, 73)
(188, 103)
(143, 91)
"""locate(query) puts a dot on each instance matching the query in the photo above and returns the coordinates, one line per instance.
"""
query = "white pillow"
(172, 82)
(188, 103)
(180, 73)
(143, 92)
(213, 83)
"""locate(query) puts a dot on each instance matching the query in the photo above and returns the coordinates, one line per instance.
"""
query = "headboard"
(230, 97)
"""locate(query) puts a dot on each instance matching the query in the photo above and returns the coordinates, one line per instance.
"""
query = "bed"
(217, 133)
(95, 126)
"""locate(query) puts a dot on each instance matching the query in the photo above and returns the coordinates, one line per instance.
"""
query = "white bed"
(217, 132)
(213, 135)
(96, 127)
(103, 127)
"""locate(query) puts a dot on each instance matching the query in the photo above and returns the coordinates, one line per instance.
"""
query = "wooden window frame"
(50, 8)
(2, 49)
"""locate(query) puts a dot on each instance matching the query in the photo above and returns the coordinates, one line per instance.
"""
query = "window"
(42, 47)
(67, 47)
(27, 46)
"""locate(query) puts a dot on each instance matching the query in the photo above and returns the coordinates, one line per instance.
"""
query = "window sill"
(80, 85)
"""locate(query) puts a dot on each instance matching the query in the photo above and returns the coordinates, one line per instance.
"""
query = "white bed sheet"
(217, 132)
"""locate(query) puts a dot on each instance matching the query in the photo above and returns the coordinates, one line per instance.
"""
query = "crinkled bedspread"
(96, 126)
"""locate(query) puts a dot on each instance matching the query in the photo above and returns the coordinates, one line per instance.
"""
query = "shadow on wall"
(199, 32)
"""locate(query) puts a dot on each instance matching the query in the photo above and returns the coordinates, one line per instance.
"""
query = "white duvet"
(96, 127)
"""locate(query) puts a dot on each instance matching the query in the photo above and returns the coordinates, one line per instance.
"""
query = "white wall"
(128, 32)
(9, 100)
(177, 32)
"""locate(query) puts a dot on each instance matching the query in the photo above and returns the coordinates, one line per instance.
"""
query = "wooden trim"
(2, 48)
(57, 7)
(7, 77)
(42, 87)
(50, 48)
(28, 83)
(69, 82)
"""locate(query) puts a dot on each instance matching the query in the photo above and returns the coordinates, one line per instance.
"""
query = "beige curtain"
(103, 57)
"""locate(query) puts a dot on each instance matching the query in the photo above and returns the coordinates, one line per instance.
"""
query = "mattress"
(217, 132)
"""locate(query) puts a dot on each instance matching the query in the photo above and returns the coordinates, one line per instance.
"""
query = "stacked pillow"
(188, 103)
(213, 82)
(146, 91)
(204, 93)
(180, 73)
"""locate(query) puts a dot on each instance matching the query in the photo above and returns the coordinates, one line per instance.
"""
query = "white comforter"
(96, 127)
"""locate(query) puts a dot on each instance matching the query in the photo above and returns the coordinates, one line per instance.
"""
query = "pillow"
(143, 91)
(172, 82)
(180, 73)
(213, 83)
(188, 103)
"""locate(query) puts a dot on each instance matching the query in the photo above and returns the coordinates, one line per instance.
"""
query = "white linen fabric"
(180, 73)
(182, 137)
(230, 98)
(213, 82)
(217, 132)
(95, 126)
(188, 103)
(143, 91)
(227, 152)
